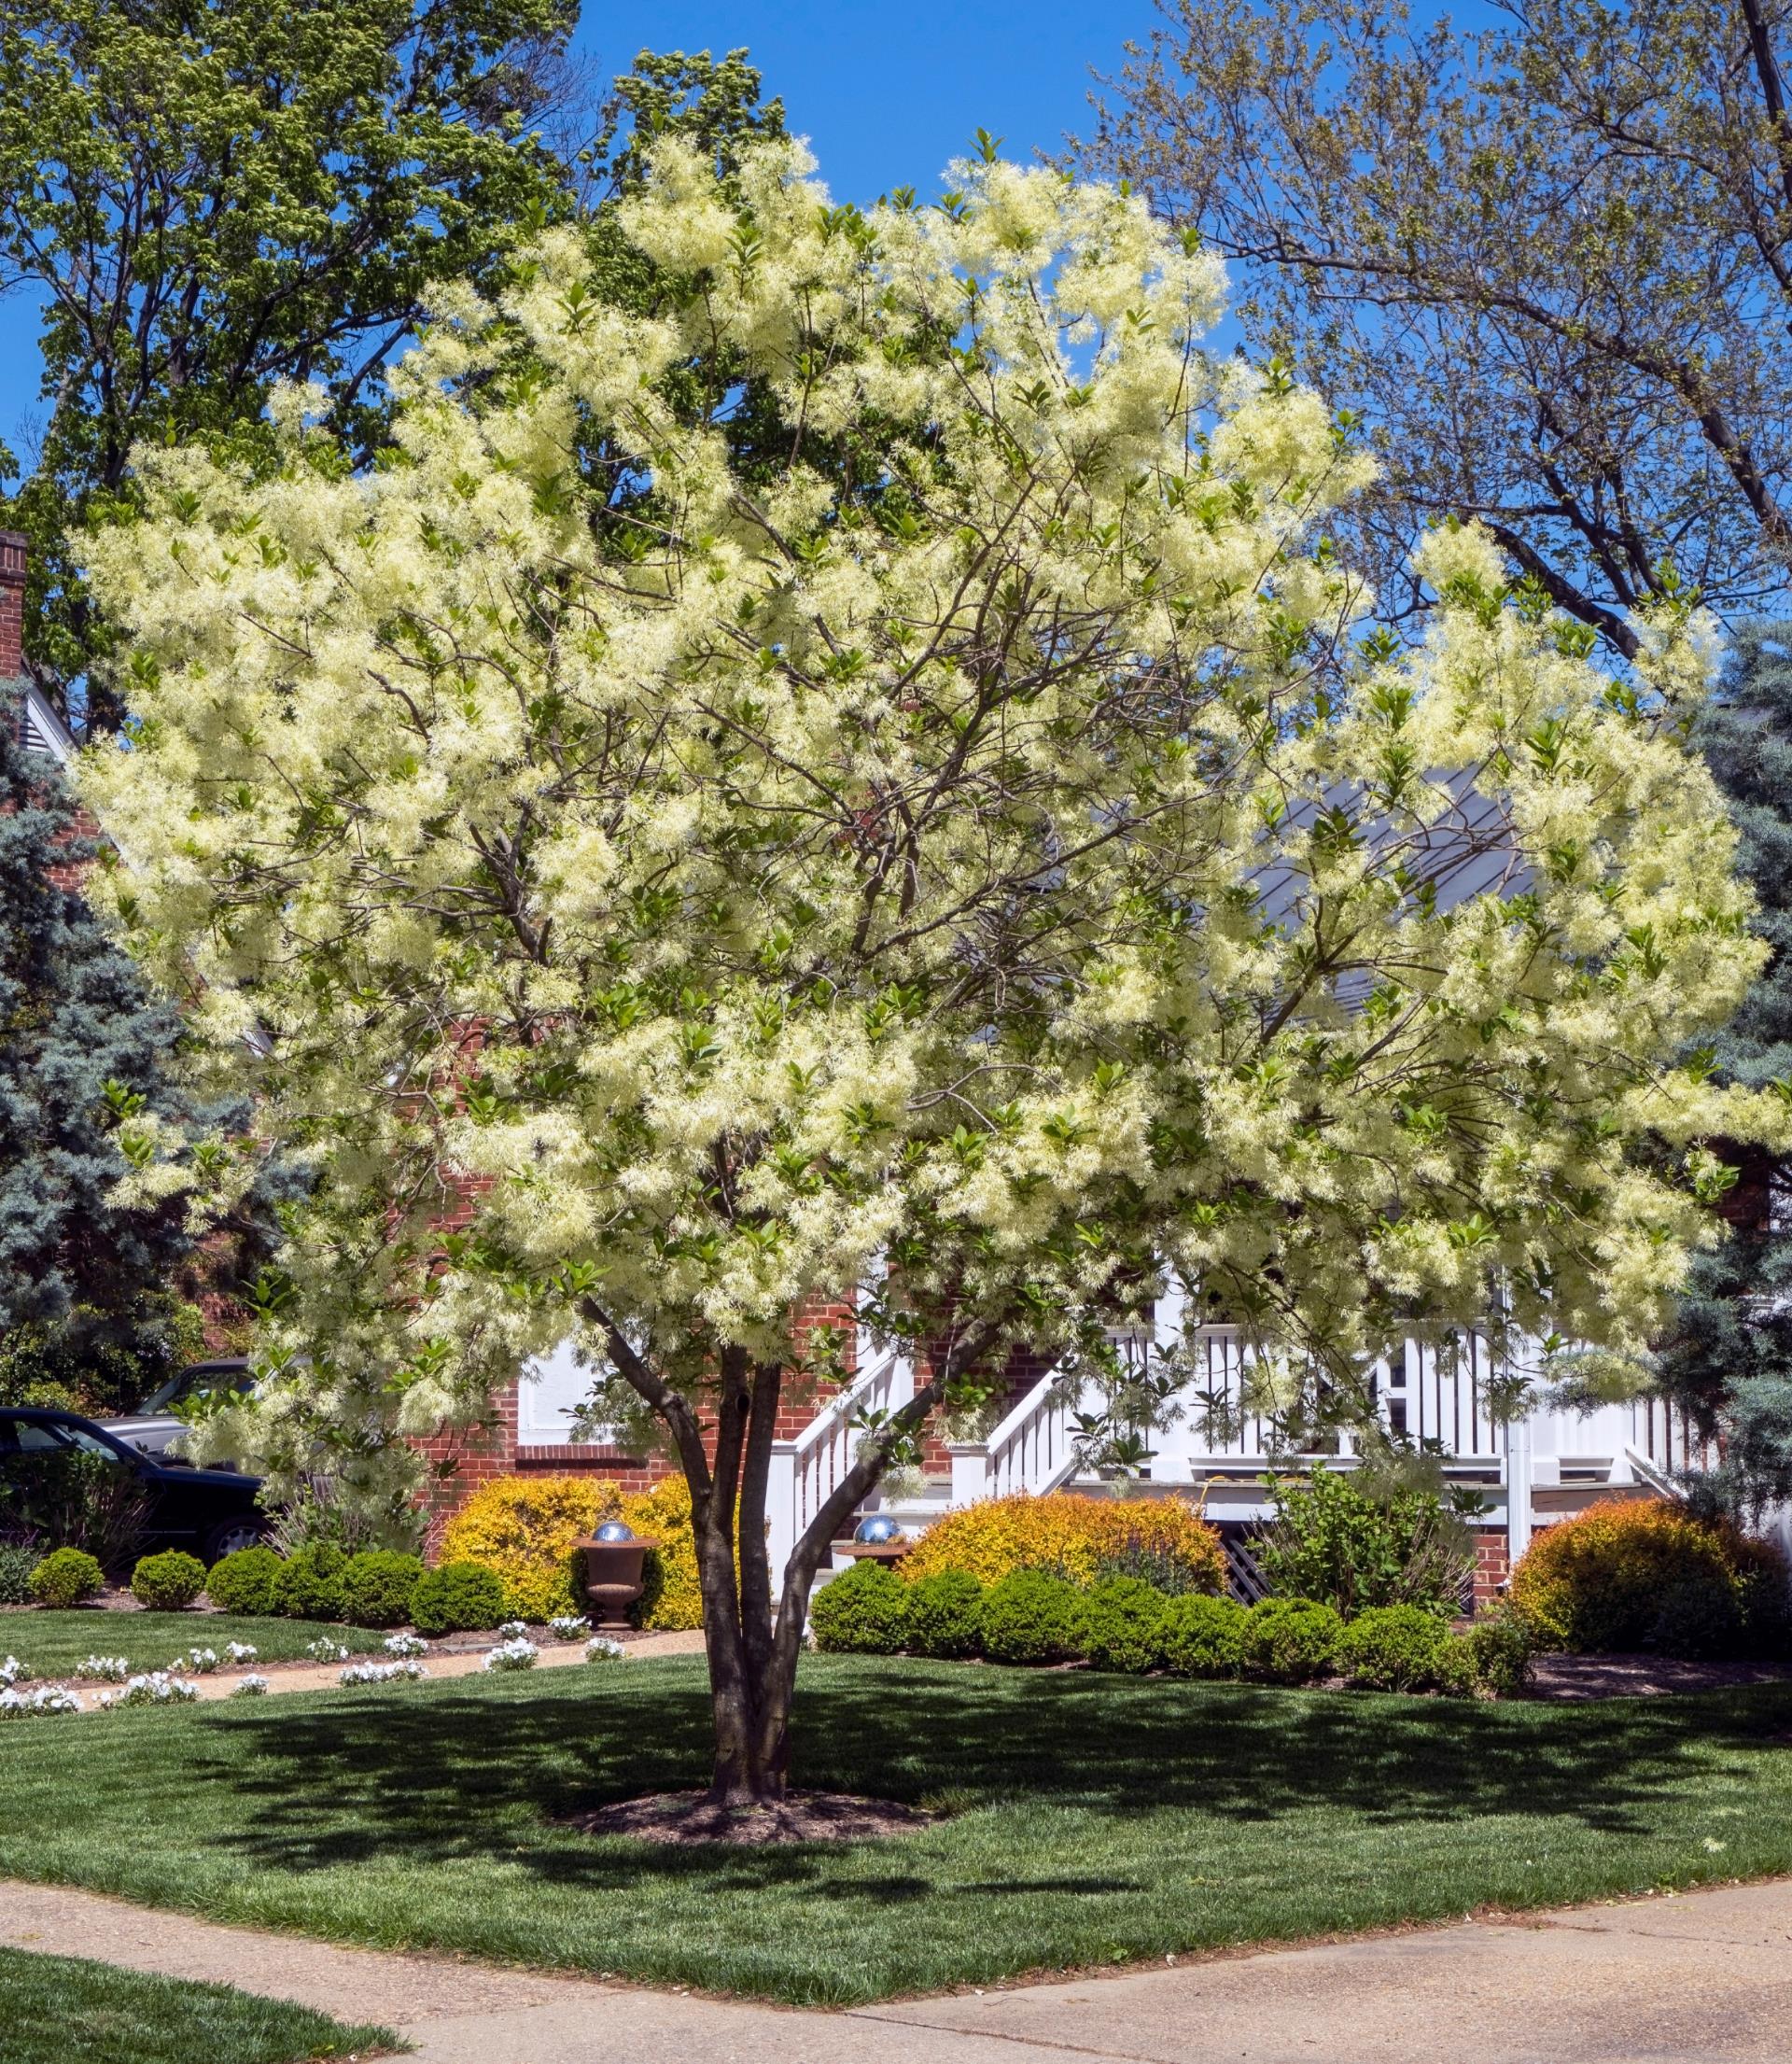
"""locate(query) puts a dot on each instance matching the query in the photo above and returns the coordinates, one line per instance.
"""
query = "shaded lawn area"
(1092, 1820)
(53, 1642)
(63, 2010)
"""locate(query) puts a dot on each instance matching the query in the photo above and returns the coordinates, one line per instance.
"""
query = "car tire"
(230, 1536)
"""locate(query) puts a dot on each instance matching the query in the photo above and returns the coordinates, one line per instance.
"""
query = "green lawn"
(63, 2010)
(50, 1643)
(1092, 1820)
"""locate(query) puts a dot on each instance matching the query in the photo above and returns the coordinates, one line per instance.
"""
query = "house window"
(549, 1391)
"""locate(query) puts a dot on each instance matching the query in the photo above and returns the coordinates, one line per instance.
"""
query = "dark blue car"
(43, 1454)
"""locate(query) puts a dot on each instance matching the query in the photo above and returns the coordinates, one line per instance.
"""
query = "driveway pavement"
(1699, 1978)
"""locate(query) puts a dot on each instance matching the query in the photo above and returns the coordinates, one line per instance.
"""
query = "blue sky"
(886, 94)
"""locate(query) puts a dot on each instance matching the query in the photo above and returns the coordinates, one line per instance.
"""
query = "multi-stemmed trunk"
(752, 1647)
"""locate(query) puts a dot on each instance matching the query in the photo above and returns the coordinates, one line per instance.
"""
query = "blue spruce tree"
(1730, 1360)
(86, 1303)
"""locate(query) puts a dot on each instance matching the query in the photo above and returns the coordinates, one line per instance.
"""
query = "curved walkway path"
(1698, 1978)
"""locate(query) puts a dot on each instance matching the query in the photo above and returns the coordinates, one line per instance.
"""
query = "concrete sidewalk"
(1703, 1978)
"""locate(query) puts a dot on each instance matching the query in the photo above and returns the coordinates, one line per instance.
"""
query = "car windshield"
(190, 1384)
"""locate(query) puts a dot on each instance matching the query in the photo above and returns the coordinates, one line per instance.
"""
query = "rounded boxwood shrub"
(1646, 1574)
(309, 1584)
(244, 1581)
(168, 1583)
(945, 1614)
(457, 1598)
(863, 1611)
(377, 1587)
(66, 1577)
(1122, 1619)
(1290, 1640)
(1198, 1637)
(1499, 1648)
(1031, 1616)
(1394, 1649)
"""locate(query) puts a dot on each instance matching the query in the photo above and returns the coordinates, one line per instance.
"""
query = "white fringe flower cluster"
(405, 1645)
(326, 1650)
(201, 1661)
(568, 1626)
(601, 1649)
(1017, 854)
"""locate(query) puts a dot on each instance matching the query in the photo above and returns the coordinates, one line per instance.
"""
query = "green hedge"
(863, 1611)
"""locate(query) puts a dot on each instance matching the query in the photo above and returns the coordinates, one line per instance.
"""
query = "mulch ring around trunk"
(689, 1817)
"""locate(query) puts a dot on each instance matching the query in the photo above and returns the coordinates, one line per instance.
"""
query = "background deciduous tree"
(1550, 264)
(961, 847)
(212, 195)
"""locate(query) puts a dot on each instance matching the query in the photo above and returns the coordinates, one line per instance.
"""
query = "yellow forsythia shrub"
(1644, 1574)
(1075, 1536)
(523, 1528)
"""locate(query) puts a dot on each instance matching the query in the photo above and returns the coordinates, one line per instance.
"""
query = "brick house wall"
(12, 606)
(1492, 1565)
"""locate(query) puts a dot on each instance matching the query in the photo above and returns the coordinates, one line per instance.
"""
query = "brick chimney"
(12, 604)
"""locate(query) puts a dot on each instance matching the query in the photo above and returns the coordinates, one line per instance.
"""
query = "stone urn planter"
(613, 1579)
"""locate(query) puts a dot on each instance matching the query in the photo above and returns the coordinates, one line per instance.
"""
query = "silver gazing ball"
(615, 1530)
(877, 1530)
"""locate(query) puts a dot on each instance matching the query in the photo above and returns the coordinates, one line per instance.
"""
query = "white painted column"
(1519, 1476)
(781, 1511)
(969, 1471)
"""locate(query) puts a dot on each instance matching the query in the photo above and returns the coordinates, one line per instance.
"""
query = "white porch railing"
(1033, 1449)
(806, 1471)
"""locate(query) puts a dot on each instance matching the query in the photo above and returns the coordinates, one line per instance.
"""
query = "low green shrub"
(1380, 1534)
(1290, 1640)
(309, 1583)
(168, 1583)
(1201, 1636)
(66, 1577)
(15, 1565)
(1500, 1646)
(1031, 1616)
(945, 1615)
(377, 1586)
(244, 1581)
(457, 1598)
(1122, 1620)
(863, 1611)
(1394, 1649)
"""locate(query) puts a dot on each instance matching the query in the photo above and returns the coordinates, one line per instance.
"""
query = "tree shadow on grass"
(477, 1769)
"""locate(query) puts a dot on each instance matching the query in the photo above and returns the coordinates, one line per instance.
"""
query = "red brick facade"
(1491, 1564)
(12, 605)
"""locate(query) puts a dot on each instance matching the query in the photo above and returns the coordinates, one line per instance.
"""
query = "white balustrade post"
(1518, 1479)
(781, 1511)
(969, 1471)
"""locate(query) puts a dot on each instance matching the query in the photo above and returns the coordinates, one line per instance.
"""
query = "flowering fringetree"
(969, 847)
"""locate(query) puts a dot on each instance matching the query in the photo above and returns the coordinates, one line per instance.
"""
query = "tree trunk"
(752, 1653)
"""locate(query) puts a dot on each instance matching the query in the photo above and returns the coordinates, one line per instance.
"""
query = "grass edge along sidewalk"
(1088, 1821)
(70, 2010)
